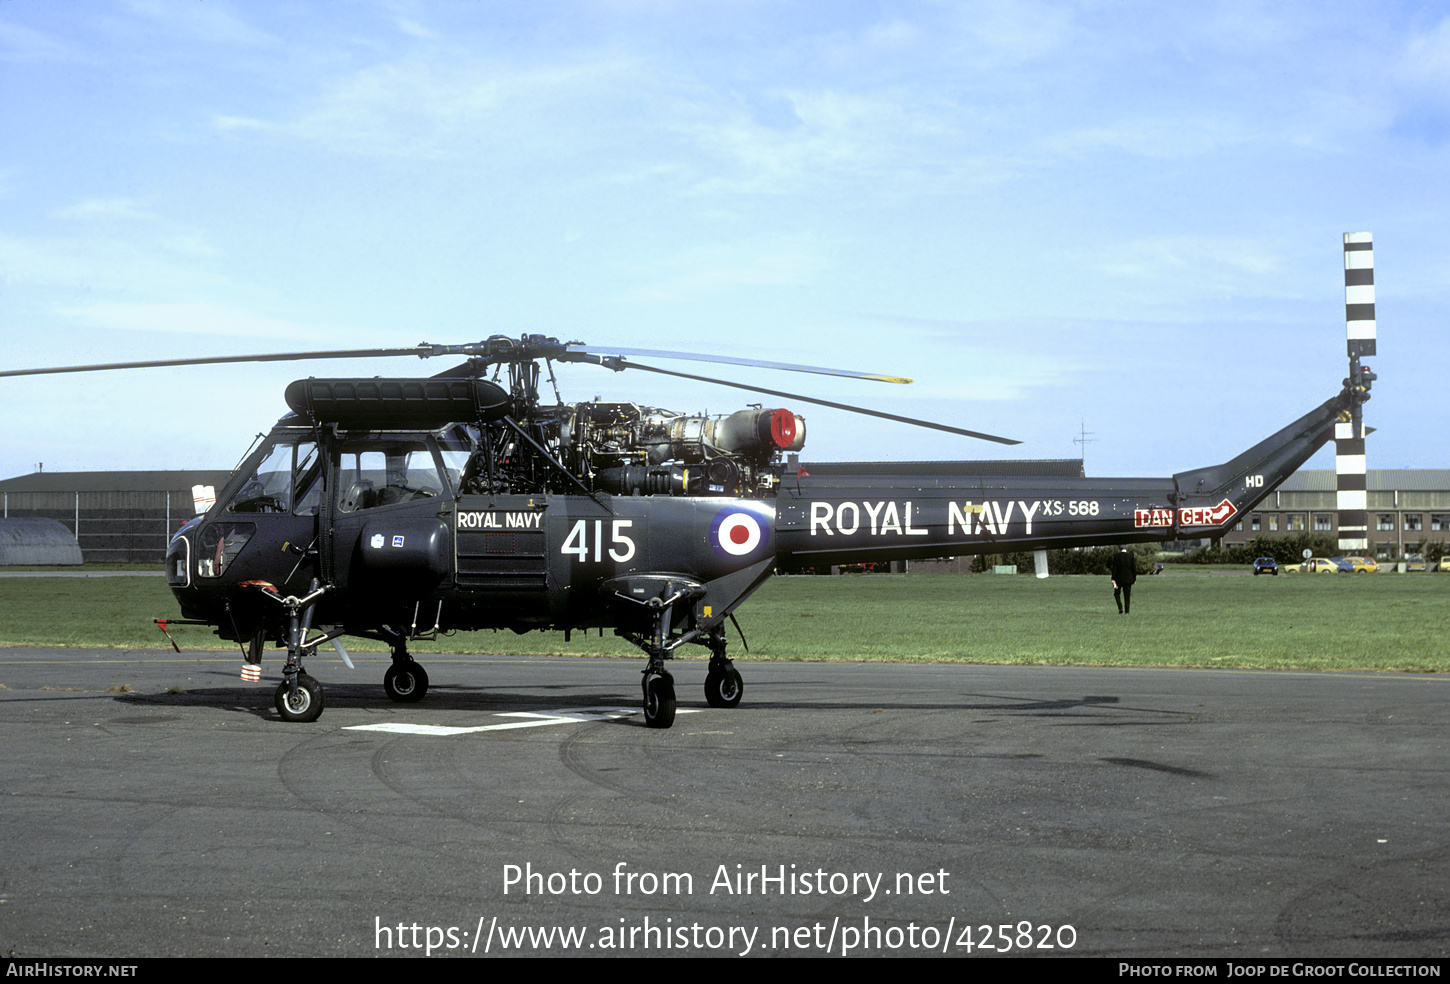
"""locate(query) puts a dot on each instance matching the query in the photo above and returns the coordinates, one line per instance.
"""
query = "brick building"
(1408, 508)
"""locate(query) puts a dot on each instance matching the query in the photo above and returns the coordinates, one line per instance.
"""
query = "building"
(1408, 509)
(123, 517)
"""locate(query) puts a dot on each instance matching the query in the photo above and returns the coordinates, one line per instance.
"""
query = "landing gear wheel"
(723, 688)
(305, 706)
(405, 682)
(659, 701)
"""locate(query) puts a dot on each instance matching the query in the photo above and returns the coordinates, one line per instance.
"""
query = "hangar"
(37, 542)
(119, 517)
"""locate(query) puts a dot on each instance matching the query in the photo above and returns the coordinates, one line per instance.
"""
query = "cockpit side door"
(391, 504)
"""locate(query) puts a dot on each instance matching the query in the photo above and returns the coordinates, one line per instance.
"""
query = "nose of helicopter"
(180, 570)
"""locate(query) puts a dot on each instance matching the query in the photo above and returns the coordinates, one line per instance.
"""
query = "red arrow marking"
(1218, 515)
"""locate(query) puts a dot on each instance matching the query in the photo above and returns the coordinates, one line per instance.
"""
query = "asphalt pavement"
(154, 805)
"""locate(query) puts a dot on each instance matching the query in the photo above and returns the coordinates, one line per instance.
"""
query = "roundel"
(738, 533)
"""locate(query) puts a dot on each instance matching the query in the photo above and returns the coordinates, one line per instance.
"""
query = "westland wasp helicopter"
(394, 509)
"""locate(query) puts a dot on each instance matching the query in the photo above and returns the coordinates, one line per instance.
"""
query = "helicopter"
(398, 508)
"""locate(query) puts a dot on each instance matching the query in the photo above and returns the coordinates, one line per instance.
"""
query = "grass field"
(1381, 621)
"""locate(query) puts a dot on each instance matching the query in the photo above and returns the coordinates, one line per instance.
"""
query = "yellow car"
(1358, 565)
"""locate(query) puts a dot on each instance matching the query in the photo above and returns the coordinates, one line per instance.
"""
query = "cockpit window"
(288, 475)
(307, 480)
(456, 445)
(268, 489)
(381, 474)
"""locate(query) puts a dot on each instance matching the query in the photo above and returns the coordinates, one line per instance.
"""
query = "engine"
(625, 449)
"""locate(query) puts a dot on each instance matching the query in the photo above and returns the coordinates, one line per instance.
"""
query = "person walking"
(1124, 573)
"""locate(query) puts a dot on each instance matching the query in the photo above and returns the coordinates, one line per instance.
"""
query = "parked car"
(1265, 565)
(1356, 565)
(1414, 562)
(1314, 565)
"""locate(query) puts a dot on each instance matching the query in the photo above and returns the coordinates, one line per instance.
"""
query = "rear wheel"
(724, 688)
(405, 682)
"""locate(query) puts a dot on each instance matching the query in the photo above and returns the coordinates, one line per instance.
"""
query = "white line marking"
(532, 719)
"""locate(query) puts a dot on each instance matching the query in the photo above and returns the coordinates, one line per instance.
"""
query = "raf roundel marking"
(737, 533)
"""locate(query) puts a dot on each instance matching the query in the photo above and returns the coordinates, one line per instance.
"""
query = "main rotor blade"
(496, 349)
(422, 351)
(574, 348)
(827, 403)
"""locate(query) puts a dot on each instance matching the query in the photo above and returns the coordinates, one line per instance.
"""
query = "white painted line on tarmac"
(531, 719)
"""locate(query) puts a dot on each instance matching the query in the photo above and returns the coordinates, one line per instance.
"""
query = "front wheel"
(659, 701)
(405, 682)
(305, 705)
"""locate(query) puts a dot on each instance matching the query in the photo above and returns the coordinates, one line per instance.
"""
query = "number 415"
(578, 542)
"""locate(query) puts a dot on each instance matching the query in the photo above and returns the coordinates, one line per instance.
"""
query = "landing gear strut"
(660, 645)
(299, 696)
(723, 686)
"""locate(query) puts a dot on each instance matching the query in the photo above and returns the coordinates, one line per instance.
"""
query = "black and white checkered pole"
(1349, 460)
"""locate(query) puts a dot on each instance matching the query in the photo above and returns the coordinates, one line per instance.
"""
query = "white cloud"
(91, 263)
(213, 22)
(204, 318)
(413, 28)
(707, 270)
(1426, 59)
(1195, 264)
(19, 43)
(893, 138)
(104, 208)
(891, 35)
(1016, 31)
(1165, 138)
(433, 107)
(225, 123)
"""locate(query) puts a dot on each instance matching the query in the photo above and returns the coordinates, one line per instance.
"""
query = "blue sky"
(1123, 217)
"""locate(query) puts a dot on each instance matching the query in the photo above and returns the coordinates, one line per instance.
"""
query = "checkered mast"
(1349, 458)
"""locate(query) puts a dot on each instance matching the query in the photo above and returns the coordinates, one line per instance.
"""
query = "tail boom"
(853, 519)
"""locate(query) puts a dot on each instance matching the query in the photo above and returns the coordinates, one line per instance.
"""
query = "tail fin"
(1215, 496)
